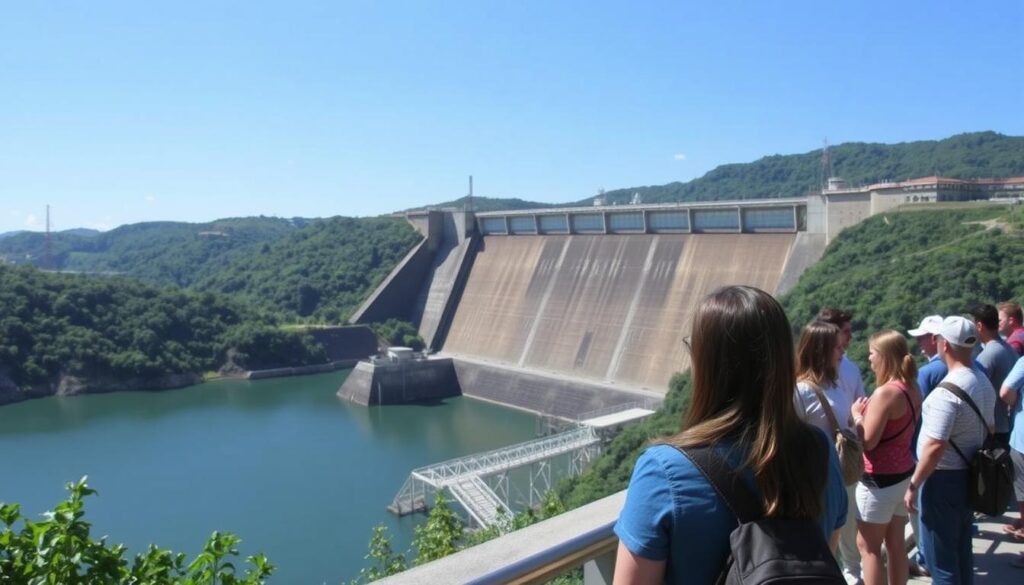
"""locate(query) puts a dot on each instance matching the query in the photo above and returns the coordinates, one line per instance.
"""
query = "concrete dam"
(561, 311)
(607, 308)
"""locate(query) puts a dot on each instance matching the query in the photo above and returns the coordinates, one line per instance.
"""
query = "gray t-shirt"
(944, 417)
(998, 359)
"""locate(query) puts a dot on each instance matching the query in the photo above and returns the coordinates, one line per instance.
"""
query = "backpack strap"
(959, 393)
(731, 488)
(829, 413)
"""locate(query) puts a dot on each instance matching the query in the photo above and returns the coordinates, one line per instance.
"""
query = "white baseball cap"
(930, 325)
(958, 331)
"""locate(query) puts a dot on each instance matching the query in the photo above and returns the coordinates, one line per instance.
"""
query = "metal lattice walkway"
(464, 477)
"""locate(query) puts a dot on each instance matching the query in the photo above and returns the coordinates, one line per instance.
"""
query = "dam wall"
(609, 309)
(449, 270)
(562, 397)
(425, 286)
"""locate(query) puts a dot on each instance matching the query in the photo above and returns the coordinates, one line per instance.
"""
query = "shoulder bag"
(848, 445)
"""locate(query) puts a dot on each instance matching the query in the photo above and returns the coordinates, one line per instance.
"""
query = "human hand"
(858, 408)
(910, 499)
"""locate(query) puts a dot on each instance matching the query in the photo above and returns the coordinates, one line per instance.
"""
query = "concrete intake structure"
(611, 308)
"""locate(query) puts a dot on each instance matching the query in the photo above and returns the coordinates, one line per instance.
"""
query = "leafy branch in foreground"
(59, 549)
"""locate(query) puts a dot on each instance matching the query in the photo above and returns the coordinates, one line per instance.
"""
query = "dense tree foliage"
(894, 269)
(60, 549)
(398, 332)
(321, 272)
(52, 325)
(160, 253)
(315, 270)
(491, 204)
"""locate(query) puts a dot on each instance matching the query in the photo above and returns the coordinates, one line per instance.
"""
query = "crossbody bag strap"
(731, 488)
(829, 413)
(959, 393)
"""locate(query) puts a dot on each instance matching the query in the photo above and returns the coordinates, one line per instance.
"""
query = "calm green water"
(295, 471)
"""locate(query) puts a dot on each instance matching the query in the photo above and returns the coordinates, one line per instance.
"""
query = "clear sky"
(119, 112)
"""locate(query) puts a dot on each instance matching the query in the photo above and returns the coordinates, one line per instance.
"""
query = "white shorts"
(879, 505)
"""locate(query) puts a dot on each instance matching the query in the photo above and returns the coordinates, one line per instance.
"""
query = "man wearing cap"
(930, 374)
(928, 377)
(938, 487)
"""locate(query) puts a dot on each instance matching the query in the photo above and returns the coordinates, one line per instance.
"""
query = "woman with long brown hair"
(886, 421)
(674, 528)
(820, 400)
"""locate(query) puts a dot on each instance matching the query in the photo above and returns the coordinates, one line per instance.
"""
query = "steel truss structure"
(480, 483)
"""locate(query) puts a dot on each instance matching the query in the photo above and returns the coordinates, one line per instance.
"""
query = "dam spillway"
(611, 308)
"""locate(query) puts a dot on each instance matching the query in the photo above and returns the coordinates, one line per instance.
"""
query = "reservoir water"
(284, 463)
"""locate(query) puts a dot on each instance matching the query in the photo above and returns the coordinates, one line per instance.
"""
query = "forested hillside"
(319, 269)
(70, 331)
(160, 253)
(977, 154)
(321, 272)
(890, 271)
(491, 204)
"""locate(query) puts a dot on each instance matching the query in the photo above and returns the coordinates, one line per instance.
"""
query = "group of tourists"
(750, 449)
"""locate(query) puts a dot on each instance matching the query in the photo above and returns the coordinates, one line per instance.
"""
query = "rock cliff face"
(68, 385)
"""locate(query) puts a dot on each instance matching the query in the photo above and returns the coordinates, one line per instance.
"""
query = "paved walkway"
(993, 551)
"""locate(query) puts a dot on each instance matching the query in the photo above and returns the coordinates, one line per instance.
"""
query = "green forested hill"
(316, 268)
(492, 204)
(976, 154)
(322, 271)
(890, 271)
(161, 253)
(55, 326)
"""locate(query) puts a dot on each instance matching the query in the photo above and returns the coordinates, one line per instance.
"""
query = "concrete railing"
(534, 554)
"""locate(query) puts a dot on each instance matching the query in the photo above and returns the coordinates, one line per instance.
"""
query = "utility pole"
(48, 247)
(826, 164)
(469, 199)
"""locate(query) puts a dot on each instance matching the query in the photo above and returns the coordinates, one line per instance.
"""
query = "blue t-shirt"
(672, 513)
(1015, 380)
(930, 374)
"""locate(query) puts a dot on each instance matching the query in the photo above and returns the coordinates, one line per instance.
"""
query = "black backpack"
(763, 550)
(991, 469)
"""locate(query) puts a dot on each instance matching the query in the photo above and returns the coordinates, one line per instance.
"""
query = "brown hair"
(1013, 310)
(814, 362)
(743, 382)
(896, 362)
(837, 317)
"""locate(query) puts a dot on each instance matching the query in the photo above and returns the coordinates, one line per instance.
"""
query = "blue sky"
(119, 112)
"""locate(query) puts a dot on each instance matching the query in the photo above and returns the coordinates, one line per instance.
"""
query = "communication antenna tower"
(826, 164)
(48, 245)
(469, 198)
